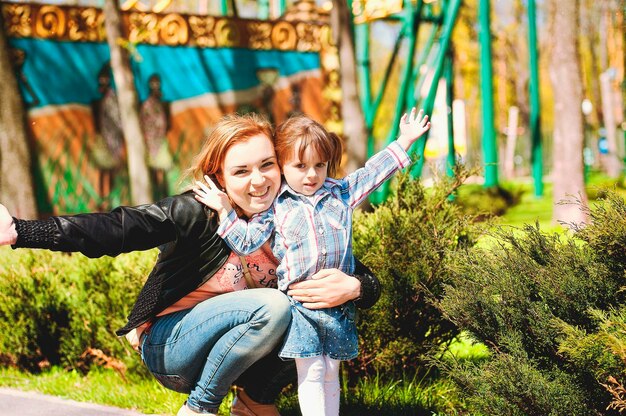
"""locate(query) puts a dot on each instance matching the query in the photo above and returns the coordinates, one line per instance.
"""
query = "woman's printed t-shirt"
(262, 266)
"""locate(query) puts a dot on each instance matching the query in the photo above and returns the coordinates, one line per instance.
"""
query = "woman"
(198, 332)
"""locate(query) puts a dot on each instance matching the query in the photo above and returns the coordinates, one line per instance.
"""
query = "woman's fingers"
(309, 298)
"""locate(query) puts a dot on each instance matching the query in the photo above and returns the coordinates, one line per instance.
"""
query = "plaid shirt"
(314, 232)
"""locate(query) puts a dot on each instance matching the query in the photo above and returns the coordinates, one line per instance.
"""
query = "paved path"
(21, 403)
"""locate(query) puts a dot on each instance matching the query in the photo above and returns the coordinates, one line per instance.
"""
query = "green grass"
(402, 397)
(463, 348)
(370, 396)
(531, 209)
(99, 386)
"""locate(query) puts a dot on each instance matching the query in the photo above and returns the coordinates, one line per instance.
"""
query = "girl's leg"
(311, 385)
(203, 350)
(332, 391)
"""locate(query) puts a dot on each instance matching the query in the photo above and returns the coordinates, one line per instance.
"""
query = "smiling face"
(250, 174)
(305, 176)
(307, 153)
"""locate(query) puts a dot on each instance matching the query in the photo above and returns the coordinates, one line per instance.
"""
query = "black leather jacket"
(183, 229)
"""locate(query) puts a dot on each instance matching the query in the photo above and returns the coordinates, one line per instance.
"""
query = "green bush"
(407, 242)
(535, 300)
(488, 202)
(598, 183)
(57, 307)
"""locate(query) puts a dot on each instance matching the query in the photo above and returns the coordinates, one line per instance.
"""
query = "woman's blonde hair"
(229, 130)
(304, 132)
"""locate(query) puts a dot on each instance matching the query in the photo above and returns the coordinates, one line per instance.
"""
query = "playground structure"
(431, 61)
(291, 65)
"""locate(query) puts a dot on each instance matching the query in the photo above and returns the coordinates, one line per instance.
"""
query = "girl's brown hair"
(304, 132)
(229, 130)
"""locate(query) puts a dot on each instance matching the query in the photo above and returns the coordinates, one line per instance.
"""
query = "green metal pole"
(362, 41)
(490, 153)
(371, 109)
(429, 102)
(410, 31)
(383, 84)
(535, 104)
(264, 9)
(418, 78)
(448, 74)
(282, 6)
(224, 7)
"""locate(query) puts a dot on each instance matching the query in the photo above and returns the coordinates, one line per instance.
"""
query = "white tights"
(318, 386)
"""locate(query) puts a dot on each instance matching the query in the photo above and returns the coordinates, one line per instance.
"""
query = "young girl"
(311, 224)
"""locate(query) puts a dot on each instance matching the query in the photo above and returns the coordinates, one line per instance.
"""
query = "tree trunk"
(565, 74)
(140, 189)
(354, 128)
(16, 181)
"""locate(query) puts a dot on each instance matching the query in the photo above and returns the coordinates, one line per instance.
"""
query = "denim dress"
(313, 332)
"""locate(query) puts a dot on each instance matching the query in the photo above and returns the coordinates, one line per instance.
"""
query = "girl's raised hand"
(211, 196)
(412, 127)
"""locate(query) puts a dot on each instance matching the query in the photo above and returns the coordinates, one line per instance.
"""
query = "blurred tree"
(16, 182)
(565, 75)
(140, 190)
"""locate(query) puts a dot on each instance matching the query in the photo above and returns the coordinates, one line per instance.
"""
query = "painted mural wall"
(189, 71)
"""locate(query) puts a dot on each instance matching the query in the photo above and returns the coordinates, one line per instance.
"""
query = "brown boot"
(243, 405)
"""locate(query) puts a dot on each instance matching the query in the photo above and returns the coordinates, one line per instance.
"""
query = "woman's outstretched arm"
(121, 230)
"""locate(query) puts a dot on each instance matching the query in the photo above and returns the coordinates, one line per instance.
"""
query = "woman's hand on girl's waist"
(326, 289)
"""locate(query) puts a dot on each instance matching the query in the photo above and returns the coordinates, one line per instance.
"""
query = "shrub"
(407, 242)
(57, 307)
(540, 302)
(488, 202)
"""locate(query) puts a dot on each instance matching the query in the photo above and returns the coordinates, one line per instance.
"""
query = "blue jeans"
(203, 350)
